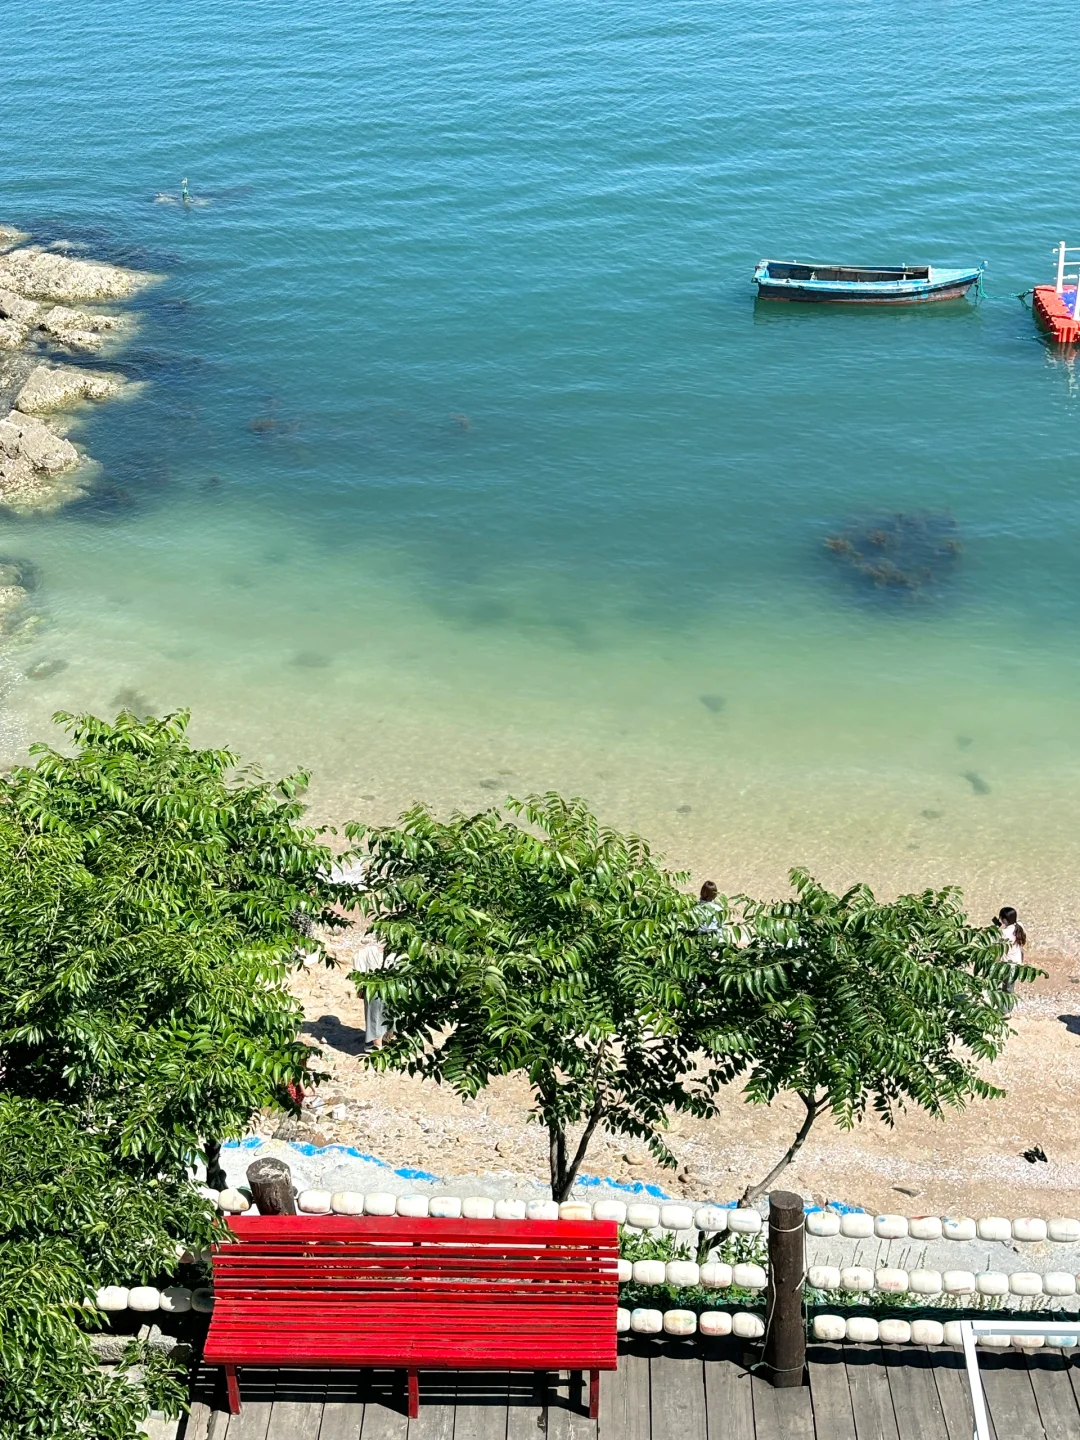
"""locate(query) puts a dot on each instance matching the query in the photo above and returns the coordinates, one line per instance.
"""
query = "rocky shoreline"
(52, 306)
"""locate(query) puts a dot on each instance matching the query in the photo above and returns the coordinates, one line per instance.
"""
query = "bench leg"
(594, 1394)
(234, 1389)
(414, 1394)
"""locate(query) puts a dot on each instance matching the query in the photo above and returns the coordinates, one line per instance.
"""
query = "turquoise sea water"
(467, 463)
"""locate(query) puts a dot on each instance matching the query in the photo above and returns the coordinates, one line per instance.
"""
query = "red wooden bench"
(415, 1295)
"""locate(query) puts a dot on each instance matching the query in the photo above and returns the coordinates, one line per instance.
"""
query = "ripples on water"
(467, 455)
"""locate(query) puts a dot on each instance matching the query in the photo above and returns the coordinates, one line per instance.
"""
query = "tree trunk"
(813, 1109)
(215, 1175)
(271, 1187)
(784, 1358)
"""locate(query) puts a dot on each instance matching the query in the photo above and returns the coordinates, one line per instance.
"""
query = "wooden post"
(785, 1332)
(270, 1182)
(215, 1175)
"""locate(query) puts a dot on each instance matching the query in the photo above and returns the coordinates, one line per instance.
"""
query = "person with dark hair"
(709, 909)
(1015, 937)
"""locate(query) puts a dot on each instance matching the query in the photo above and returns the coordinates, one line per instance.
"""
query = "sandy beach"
(970, 1163)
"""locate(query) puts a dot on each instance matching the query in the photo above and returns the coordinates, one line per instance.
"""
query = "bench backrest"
(519, 1263)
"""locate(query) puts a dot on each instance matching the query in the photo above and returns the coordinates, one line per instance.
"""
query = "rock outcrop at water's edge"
(51, 302)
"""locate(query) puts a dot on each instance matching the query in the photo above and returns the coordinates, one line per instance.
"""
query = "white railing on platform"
(1063, 252)
(1050, 1330)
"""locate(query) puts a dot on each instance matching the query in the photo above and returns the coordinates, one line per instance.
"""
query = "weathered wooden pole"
(270, 1183)
(785, 1332)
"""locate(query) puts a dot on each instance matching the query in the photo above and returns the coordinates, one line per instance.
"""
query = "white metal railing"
(1056, 1331)
(1063, 251)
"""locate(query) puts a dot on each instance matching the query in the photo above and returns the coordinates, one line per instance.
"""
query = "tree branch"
(813, 1110)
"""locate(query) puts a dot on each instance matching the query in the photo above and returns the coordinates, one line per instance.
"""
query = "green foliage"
(74, 1218)
(864, 1004)
(151, 906)
(152, 903)
(558, 949)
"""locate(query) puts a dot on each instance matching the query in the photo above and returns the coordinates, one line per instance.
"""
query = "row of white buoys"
(858, 1226)
(643, 1321)
(859, 1278)
(684, 1274)
(853, 1225)
(147, 1299)
(711, 1218)
(866, 1329)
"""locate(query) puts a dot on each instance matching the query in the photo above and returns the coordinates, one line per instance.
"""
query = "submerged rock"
(47, 275)
(80, 329)
(905, 555)
(43, 294)
(13, 334)
(17, 307)
(59, 387)
(32, 454)
(10, 237)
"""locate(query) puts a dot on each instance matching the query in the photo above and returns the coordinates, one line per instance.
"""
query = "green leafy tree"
(558, 949)
(72, 1219)
(152, 904)
(864, 1005)
(153, 901)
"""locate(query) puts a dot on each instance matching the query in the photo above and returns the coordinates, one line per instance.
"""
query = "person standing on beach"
(1014, 935)
(372, 956)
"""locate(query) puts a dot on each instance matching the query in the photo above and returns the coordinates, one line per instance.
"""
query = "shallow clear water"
(467, 463)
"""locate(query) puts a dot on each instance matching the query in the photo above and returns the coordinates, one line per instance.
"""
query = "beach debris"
(907, 1190)
(1034, 1155)
(977, 783)
(904, 555)
(715, 703)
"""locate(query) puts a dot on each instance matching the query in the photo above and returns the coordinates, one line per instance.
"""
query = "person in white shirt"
(1012, 932)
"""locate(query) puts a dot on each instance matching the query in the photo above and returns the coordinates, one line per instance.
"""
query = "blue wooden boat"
(862, 284)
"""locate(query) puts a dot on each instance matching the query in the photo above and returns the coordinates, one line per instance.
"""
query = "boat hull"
(816, 295)
(827, 284)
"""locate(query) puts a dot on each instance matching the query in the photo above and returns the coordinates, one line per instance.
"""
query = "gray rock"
(59, 387)
(17, 307)
(45, 275)
(79, 329)
(12, 334)
(26, 437)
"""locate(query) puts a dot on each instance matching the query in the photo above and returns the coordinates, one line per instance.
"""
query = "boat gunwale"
(900, 281)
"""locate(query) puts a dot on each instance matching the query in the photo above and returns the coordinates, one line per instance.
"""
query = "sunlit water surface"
(467, 464)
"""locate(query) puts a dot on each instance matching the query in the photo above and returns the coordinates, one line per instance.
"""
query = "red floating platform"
(1054, 314)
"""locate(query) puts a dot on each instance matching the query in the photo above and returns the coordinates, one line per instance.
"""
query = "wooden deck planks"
(1054, 1395)
(829, 1392)
(624, 1399)
(663, 1390)
(677, 1384)
(253, 1421)
(1010, 1398)
(729, 1401)
(914, 1394)
(782, 1414)
(871, 1396)
(295, 1419)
